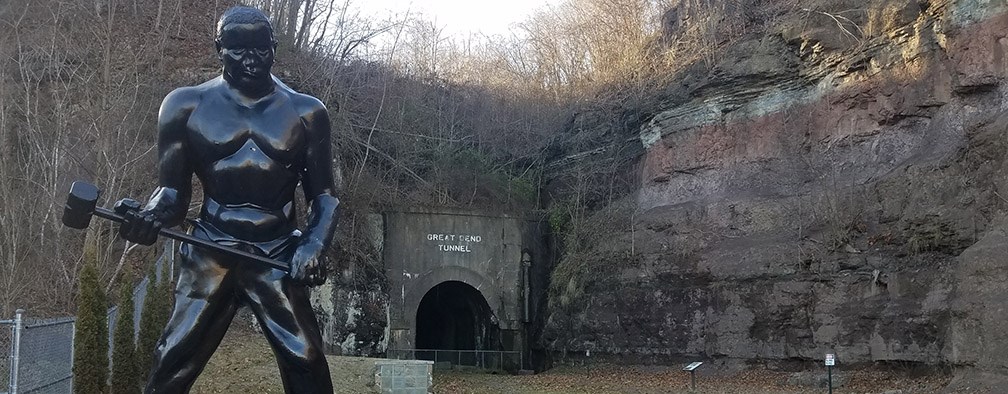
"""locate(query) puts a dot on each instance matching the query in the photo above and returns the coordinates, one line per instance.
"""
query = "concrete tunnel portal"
(462, 283)
(454, 316)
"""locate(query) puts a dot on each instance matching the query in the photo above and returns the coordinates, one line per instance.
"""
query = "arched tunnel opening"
(454, 316)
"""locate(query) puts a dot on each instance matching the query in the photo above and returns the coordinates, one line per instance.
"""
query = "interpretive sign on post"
(830, 362)
(691, 368)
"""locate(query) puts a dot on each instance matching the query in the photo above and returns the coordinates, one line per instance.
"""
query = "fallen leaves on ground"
(244, 363)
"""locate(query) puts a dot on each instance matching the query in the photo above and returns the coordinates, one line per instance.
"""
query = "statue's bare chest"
(270, 130)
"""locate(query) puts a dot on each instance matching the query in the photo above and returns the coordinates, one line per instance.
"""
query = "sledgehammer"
(81, 205)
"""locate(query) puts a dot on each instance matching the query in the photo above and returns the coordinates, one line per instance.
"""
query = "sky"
(489, 17)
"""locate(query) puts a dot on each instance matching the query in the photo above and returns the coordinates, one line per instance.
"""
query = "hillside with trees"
(421, 118)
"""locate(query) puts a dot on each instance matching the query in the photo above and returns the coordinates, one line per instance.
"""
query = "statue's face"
(247, 52)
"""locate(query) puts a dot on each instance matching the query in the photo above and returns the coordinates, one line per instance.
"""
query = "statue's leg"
(205, 304)
(287, 319)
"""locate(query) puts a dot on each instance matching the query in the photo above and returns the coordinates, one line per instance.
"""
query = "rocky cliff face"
(829, 188)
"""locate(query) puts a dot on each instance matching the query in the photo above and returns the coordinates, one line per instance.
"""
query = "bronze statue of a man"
(249, 139)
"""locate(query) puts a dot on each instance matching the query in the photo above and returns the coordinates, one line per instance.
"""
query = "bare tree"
(76, 102)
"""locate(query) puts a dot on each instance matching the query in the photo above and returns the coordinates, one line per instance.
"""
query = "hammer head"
(80, 205)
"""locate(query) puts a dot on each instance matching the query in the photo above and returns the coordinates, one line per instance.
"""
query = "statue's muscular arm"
(320, 191)
(170, 201)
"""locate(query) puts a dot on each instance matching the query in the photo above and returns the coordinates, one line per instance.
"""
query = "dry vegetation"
(422, 119)
(536, 121)
(244, 363)
(80, 84)
(663, 379)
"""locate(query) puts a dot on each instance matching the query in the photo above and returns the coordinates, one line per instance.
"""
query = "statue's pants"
(210, 289)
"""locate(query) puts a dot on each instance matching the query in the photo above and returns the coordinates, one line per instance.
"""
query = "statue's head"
(246, 46)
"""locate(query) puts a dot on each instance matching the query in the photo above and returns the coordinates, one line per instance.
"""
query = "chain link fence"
(38, 355)
(139, 294)
(505, 360)
(43, 348)
(46, 356)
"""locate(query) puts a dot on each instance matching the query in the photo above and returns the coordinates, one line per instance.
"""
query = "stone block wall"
(403, 376)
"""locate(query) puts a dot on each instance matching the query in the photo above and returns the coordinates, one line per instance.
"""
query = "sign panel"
(692, 366)
(830, 360)
(454, 242)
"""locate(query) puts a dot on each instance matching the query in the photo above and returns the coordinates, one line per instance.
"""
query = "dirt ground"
(245, 364)
(643, 379)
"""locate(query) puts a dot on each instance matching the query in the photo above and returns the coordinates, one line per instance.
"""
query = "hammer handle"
(183, 237)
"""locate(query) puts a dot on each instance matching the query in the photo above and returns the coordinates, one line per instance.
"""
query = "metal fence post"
(10, 353)
(16, 348)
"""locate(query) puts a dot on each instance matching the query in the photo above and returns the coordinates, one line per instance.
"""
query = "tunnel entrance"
(454, 316)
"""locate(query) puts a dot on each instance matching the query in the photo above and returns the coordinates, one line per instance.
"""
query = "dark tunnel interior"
(454, 316)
